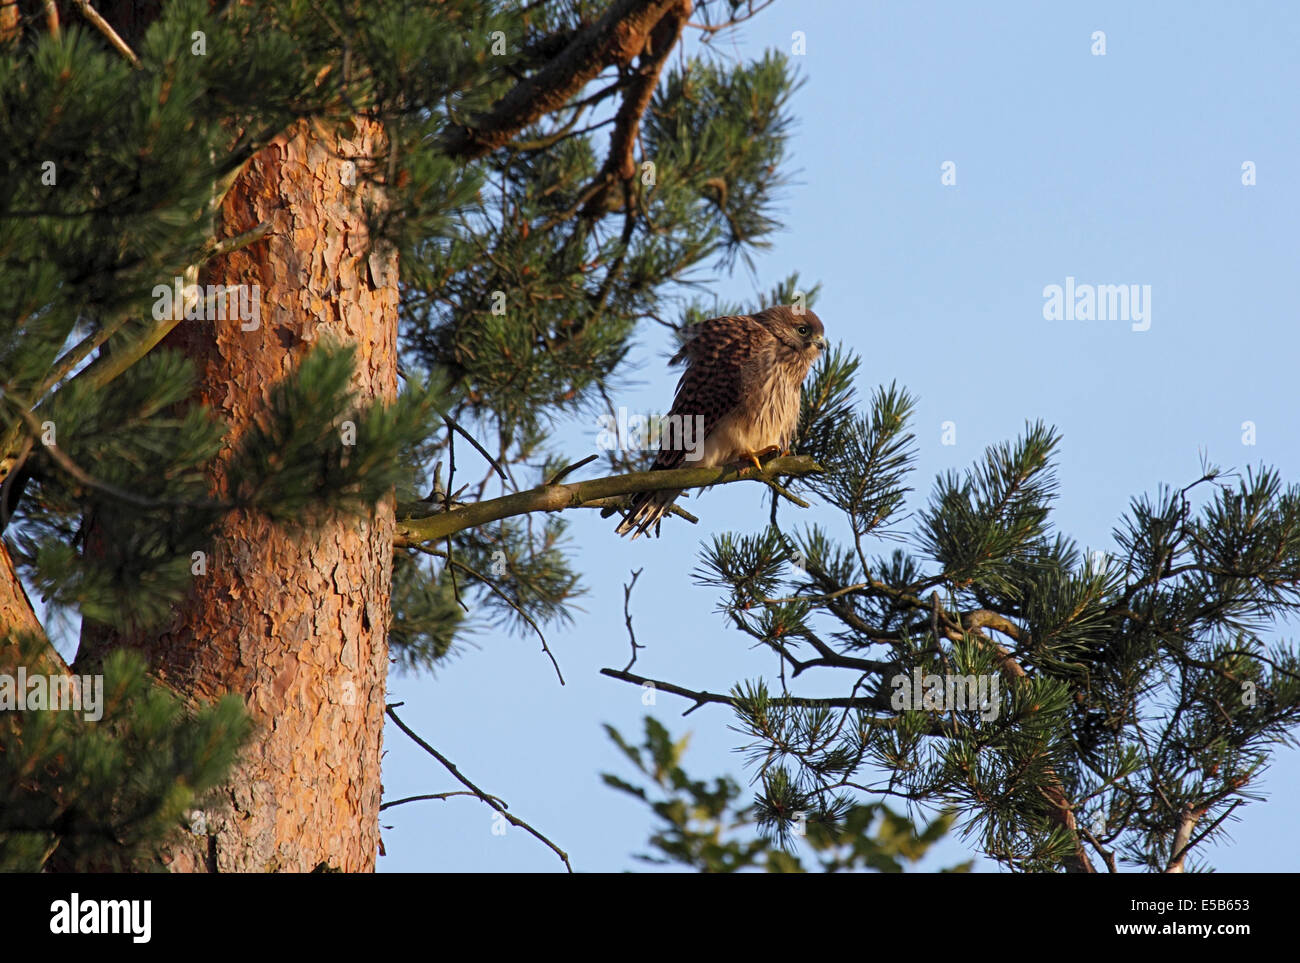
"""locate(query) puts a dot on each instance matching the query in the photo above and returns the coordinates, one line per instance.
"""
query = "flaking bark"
(294, 624)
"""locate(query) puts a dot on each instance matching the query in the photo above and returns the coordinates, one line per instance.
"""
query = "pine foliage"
(1139, 694)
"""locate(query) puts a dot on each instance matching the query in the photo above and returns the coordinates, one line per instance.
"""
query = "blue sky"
(1117, 169)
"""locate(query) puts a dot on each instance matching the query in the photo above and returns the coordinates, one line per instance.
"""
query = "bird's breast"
(766, 418)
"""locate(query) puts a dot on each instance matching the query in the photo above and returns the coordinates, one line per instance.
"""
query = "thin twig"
(455, 426)
(446, 504)
(493, 801)
(614, 38)
(428, 795)
(508, 600)
(627, 616)
(107, 30)
(78, 353)
(1107, 855)
(780, 490)
(710, 29)
(874, 703)
(816, 598)
(571, 468)
(226, 245)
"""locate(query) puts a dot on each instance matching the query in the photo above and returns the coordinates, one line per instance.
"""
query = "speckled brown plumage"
(743, 376)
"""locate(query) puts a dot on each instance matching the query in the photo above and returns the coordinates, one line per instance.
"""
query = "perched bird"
(737, 399)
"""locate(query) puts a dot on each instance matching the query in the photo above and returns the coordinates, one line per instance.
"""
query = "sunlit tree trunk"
(294, 624)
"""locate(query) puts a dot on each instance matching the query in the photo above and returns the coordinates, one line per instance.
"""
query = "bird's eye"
(803, 330)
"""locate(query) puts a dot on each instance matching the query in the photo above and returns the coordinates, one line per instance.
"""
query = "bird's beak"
(820, 341)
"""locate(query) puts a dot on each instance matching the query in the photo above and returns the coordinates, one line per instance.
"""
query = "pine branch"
(620, 165)
(414, 529)
(1053, 791)
(616, 37)
(87, 480)
(1183, 843)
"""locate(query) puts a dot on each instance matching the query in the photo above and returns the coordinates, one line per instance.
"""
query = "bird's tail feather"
(647, 509)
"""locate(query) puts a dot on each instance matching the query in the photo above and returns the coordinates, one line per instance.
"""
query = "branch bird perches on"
(417, 524)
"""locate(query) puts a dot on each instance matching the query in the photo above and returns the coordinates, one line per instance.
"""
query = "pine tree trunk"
(18, 618)
(295, 625)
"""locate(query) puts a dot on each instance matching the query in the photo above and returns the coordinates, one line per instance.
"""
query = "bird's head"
(798, 329)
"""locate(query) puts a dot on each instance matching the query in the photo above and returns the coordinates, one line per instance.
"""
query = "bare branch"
(627, 616)
(874, 703)
(107, 30)
(569, 469)
(428, 795)
(493, 801)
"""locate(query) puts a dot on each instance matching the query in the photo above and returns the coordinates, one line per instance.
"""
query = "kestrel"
(737, 399)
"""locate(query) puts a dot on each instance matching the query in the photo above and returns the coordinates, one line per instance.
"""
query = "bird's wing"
(716, 353)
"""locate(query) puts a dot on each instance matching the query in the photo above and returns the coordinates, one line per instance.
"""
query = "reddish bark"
(296, 625)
